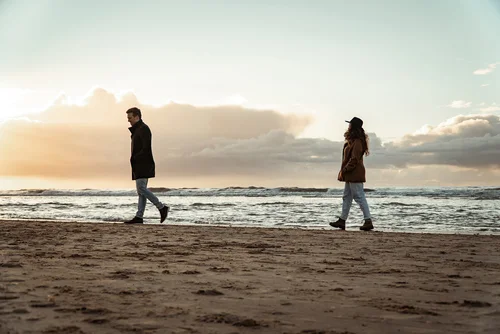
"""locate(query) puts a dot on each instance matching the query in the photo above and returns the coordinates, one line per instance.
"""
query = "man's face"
(132, 119)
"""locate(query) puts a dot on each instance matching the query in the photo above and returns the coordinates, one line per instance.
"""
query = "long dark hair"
(358, 133)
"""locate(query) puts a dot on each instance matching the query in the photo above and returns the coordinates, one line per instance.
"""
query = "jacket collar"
(136, 126)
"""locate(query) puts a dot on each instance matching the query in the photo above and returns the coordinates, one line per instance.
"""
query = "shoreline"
(67, 277)
(325, 228)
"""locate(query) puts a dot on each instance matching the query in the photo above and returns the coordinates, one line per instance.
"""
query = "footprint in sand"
(208, 292)
(63, 330)
(475, 303)
(231, 319)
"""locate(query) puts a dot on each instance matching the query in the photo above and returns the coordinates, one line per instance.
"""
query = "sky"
(249, 92)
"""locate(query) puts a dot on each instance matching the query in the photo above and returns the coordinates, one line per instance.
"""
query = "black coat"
(142, 162)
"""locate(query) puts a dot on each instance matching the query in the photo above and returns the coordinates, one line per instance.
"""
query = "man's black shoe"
(135, 220)
(163, 213)
(340, 223)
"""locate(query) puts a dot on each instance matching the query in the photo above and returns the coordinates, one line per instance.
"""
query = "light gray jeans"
(144, 195)
(354, 190)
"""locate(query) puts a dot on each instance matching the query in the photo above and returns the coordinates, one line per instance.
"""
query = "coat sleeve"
(356, 154)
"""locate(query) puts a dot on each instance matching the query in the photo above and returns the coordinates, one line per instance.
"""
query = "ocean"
(465, 210)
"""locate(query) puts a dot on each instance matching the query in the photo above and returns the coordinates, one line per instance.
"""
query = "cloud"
(459, 104)
(91, 139)
(10, 97)
(229, 145)
(434, 175)
(494, 107)
(485, 85)
(471, 141)
(489, 69)
(235, 100)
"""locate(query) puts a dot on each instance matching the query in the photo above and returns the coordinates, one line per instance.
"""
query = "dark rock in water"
(367, 190)
(240, 188)
(231, 188)
(303, 190)
(160, 190)
(34, 191)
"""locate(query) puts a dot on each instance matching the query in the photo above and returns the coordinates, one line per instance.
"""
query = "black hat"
(356, 122)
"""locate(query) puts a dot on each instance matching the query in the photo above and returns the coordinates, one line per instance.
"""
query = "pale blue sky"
(396, 64)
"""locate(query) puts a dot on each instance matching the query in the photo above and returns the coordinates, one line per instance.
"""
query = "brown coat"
(352, 169)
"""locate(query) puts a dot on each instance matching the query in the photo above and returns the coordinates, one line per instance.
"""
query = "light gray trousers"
(144, 195)
(354, 191)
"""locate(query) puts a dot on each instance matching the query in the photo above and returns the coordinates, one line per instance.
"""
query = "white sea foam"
(434, 210)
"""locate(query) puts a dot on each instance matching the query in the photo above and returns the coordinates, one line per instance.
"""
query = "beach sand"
(116, 278)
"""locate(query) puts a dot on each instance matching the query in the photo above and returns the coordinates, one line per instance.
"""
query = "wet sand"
(116, 278)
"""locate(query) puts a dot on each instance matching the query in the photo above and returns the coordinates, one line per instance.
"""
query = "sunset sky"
(249, 94)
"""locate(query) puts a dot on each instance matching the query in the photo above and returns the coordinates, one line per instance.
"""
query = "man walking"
(143, 166)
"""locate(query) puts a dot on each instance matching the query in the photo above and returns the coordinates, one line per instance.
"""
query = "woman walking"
(352, 173)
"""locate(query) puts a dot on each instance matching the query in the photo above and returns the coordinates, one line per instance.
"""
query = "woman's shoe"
(367, 226)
